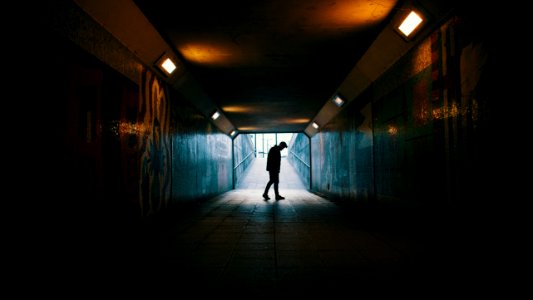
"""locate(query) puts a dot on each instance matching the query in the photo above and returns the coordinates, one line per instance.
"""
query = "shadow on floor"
(237, 244)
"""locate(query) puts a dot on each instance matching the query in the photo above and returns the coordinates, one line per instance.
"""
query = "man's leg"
(278, 196)
(276, 185)
(265, 194)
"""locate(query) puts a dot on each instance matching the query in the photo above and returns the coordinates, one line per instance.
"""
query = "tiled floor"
(239, 245)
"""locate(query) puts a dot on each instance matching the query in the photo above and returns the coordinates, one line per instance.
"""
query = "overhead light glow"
(215, 115)
(410, 23)
(168, 66)
(232, 133)
(338, 101)
(296, 120)
(315, 125)
(248, 128)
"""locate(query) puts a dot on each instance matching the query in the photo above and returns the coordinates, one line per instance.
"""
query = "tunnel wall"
(342, 156)
(299, 157)
(244, 155)
(201, 156)
(419, 136)
(122, 145)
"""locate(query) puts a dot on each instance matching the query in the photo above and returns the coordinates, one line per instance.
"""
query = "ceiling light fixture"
(168, 66)
(338, 101)
(410, 23)
(315, 125)
(232, 133)
(215, 115)
(165, 64)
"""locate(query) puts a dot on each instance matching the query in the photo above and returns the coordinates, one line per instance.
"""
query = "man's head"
(283, 145)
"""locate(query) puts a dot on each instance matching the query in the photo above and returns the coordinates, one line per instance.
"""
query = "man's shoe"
(266, 197)
(279, 197)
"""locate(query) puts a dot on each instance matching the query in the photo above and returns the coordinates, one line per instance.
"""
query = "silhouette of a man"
(273, 166)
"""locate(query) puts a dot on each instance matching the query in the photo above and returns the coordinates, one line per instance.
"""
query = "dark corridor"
(136, 181)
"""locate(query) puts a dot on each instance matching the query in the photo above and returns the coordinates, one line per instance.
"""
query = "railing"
(244, 159)
(306, 164)
(303, 172)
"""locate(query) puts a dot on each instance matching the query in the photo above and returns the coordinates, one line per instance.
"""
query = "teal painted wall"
(419, 136)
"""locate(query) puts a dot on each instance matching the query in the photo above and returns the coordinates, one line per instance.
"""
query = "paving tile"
(304, 245)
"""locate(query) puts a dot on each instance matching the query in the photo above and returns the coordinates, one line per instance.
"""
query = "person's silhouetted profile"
(273, 166)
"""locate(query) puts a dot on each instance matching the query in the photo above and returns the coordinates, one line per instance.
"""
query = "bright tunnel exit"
(264, 141)
(251, 155)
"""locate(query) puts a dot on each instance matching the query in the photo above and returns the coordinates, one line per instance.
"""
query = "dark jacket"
(274, 159)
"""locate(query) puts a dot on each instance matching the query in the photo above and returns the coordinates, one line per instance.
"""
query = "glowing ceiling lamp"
(338, 101)
(168, 66)
(215, 115)
(315, 125)
(410, 23)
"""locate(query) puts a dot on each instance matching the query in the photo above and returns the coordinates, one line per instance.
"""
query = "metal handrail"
(292, 152)
(244, 159)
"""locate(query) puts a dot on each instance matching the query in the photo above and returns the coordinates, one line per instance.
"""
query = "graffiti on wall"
(155, 149)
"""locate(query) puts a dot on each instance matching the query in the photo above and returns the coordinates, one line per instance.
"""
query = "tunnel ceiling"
(269, 65)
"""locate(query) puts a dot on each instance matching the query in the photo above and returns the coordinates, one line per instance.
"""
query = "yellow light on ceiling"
(168, 66)
(248, 128)
(296, 120)
(241, 109)
(410, 23)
